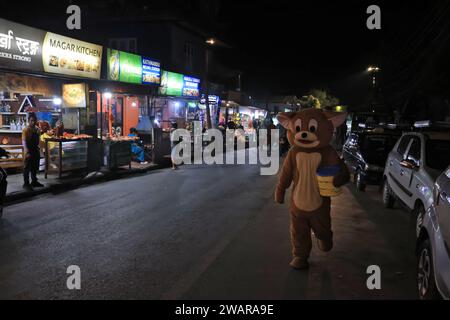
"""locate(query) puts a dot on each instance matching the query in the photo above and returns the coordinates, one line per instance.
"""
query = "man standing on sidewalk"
(30, 142)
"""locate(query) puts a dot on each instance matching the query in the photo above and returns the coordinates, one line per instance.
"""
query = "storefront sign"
(74, 95)
(151, 71)
(191, 87)
(72, 57)
(213, 100)
(130, 68)
(171, 84)
(30, 49)
(20, 46)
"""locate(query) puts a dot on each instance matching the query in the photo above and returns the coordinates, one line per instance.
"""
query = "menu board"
(74, 95)
(151, 71)
(191, 87)
(31, 49)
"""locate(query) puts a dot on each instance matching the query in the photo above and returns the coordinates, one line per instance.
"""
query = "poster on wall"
(64, 55)
(20, 46)
(171, 84)
(151, 71)
(74, 95)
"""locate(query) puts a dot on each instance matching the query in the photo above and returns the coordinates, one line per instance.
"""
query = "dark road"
(203, 232)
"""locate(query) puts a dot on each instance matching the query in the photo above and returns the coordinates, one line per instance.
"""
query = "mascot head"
(311, 128)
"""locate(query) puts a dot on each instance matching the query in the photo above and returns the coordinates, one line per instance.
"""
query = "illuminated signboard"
(69, 56)
(74, 95)
(151, 71)
(191, 87)
(132, 68)
(171, 84)
(30, 49)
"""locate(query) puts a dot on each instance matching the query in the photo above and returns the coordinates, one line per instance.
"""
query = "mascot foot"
(299, 264)
(325, 246)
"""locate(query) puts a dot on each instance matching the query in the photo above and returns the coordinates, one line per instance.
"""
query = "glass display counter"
(65, 155)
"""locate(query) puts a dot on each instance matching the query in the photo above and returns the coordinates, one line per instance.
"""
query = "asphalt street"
(202, 232)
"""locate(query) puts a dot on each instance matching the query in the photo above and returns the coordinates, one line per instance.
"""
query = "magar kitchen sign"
(30, 49)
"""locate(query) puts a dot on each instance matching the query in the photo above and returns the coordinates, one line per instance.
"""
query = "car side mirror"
(406, 163)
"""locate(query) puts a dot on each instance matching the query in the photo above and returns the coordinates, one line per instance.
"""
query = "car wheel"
(360, 185)
(388, 198)
(419, 212)
(425, 273)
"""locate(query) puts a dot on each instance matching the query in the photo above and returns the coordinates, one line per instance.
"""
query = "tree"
(319, 99)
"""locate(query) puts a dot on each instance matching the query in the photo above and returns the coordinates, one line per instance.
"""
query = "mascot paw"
(299, 264)
(279, 198)
(325, 246)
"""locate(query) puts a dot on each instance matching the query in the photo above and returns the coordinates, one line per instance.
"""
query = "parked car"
(433, 243)
(365, 153)
(417, 159)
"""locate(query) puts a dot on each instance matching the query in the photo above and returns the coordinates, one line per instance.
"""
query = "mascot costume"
(317, 173)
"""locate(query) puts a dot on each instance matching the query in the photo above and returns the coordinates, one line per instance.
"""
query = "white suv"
(433, 244)
(412, 167)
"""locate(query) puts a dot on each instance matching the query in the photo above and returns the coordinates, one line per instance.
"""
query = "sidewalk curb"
(97, 176)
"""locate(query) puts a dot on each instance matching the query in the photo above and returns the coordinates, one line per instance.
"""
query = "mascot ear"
(284, 118)
(337, 118)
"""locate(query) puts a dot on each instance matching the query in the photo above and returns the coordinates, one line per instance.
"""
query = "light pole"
(209, 42)
(373, 70)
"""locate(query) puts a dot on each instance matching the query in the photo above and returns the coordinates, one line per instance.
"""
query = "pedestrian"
(138, 151)
(3, 181)
(174, 126)
(270, 127)
(30, 142)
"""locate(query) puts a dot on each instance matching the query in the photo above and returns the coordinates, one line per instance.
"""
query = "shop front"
(178, 101)
(246, 118)
(123, 104)
(46, 74)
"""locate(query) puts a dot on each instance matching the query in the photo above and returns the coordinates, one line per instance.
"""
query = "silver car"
(417, 159)
(433, 244)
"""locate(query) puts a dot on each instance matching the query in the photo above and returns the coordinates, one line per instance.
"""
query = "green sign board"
(171, 84)
(130, 68)
(125, 67)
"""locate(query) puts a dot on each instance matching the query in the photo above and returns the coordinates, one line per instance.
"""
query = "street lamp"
(209, 42)
(373, 69)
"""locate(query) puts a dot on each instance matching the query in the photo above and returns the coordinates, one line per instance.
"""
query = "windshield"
(375, 149)
(440, 148)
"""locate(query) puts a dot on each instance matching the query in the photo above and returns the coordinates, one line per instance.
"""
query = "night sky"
(289, 47)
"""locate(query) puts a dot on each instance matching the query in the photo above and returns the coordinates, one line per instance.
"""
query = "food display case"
(65, 155)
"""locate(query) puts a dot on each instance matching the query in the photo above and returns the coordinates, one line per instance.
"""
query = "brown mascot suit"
(309, 133)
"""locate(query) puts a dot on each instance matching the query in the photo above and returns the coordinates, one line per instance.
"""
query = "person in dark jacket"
(30, 142)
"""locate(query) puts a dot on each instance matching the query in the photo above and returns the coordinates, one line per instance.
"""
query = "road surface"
(202, 232)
